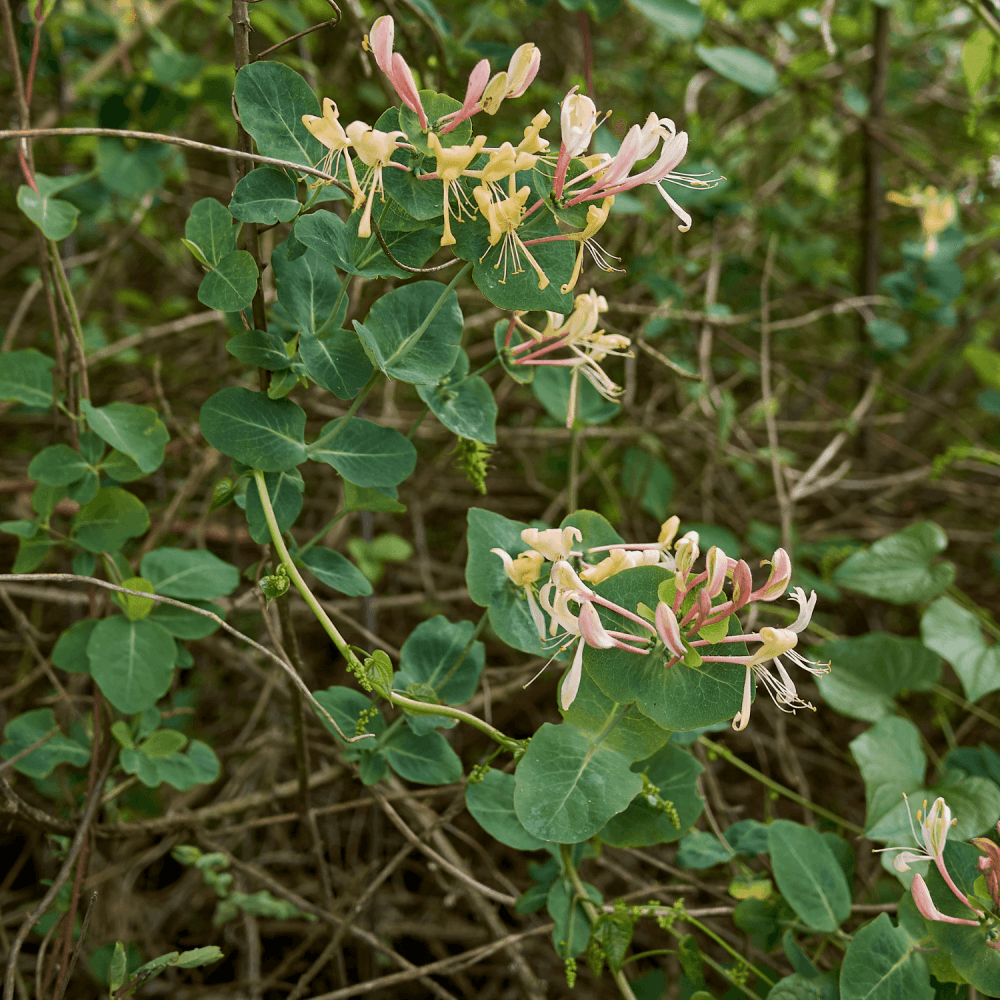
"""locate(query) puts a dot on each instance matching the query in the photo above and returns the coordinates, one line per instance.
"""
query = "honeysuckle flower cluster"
(501, 195)
(933, 825)
(671, 630)
(578, 334)
(937, 212)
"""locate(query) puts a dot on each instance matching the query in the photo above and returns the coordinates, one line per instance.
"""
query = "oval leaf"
(132, 662)
(231, 284)
(263, 433)
(741, 66)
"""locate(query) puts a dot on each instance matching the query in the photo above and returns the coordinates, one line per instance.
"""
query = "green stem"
(729, 948)
(479, 371)
(398, 700)
(319, 535)
(731, 758)
(341, 422)
(296, 577)
(74, 317)
(566, 851)
(574, 470)
(975, 710)
(412, 433)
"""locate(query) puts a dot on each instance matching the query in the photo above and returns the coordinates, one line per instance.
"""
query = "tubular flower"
(504, 215)
(619, 559)
(587, 345)
(533, 142)
(989, 865)
(933, 824)
(686, 551)
(717, 566)
(578, 121)
(485, 93)
(478, 79)
(596, 217)
(523, 572)
(504, 162)
(331, 133)
(375, 150)
(379, 43)
(937, 213)
(777, 582)
(452, 161)
(555, 544)
(922, 898)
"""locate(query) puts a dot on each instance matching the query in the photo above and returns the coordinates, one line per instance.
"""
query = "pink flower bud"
(717, 563)
(592, 628)
(668, 629)
(742, 584)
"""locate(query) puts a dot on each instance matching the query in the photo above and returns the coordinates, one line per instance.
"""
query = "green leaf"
(309, 288)
(132, 662)
(703, 850)
(53, 216)
(22, 528)
(345, 705)
(163, 743)
(891, 760)
(552, 387)
(741, 66)
(335, 571)
(986, 363)
(211, 229)
(595, 529)
(336, 362)
(26, 376)
(675, 773)
(130, 172)
(898, 568)
(339, 243)
(272, 99)
(135, 607)
(109, 520)
(407, 339)
(648, 480)
(371, 498)
(185, 624)
(117, 967)
(464, 405)
(31, 553)
(676, 18)
(263, 433)
(489, 586)
(285, 492)
(199, 766)
(620, 726)
(427, 759)
(189, 573)
(260, 349)
(799, 986)
(572, 930)
(30, 727)
(266, 195)
(808, 875)
(748, 837)
(58, 465)
(432, 656)
(230, 286)
(570, 784)
(491, 803)
(133, 430)
(70, 650)
(677, 698)
(977, 58)
(888, 336)
(121, 468)
(955, 633)
(519, 290)
(869, 671)
(882, 964)
(364, 452)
